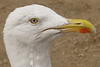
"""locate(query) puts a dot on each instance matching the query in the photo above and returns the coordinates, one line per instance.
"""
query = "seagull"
(29, 31)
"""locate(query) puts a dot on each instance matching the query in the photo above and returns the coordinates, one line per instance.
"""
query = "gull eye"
(34, 20)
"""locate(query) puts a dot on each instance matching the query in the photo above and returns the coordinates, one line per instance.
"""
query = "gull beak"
(78, 25)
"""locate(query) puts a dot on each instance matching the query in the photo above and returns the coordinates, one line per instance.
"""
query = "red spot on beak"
(84, 30)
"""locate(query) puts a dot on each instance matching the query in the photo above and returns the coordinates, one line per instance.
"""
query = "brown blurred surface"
(72, 50)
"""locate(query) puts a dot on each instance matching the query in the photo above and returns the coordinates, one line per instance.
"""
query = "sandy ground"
(72, 50)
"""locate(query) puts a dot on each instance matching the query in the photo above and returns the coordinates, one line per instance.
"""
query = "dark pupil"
(34, 21)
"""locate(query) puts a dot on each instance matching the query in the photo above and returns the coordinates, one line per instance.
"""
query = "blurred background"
(72, 50)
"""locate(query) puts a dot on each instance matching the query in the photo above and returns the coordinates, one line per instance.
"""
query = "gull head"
(34, 22)
(28, 31)
(37, 22)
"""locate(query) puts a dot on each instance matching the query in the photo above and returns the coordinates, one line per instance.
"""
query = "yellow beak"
(78, 25)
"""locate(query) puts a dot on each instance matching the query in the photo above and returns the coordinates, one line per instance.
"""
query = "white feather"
(26, 46)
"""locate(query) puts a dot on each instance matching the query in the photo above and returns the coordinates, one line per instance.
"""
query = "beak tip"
(94, 30)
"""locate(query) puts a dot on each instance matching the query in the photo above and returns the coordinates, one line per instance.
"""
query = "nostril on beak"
(77, 23)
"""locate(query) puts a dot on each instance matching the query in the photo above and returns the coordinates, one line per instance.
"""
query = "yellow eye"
(34, 20)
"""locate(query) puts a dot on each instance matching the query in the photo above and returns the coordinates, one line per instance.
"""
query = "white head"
(19, 23)
(30, 26)
(29, 30)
